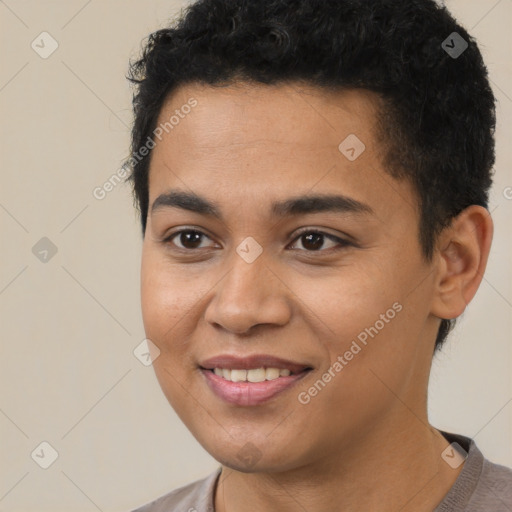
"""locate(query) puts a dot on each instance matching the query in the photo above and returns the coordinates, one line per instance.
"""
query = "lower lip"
(249, 393)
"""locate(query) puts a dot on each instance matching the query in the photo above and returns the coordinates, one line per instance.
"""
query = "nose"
(249, 294)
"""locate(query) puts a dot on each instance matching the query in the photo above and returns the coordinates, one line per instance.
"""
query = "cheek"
(372, 326)
(165, 303)
(165, 299)
(344, 303)
(360, 318)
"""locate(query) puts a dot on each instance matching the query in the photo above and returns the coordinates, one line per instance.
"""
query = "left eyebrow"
(320, 203)
(300, 205)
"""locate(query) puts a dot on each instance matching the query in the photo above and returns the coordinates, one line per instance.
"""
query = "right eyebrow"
(186, 201)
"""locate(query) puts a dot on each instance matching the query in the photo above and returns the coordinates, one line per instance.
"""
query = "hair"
(437, 118)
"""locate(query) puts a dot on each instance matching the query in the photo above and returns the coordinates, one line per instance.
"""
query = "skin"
(364, 441)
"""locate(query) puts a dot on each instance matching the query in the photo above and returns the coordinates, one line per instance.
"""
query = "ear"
(462, 251)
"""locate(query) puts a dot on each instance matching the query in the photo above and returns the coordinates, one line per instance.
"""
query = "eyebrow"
(300, 205)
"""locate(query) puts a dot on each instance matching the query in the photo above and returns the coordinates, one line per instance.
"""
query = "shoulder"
(494, 488)
(481, 486)
(194, 497)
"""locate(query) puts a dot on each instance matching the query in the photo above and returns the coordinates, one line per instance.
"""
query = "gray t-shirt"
(480, 487)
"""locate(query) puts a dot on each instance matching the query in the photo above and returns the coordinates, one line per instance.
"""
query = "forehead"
(250, 140)
(246, 113)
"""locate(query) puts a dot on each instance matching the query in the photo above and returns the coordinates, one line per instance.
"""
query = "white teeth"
(238, 375)
(253, 375)
(257, 375)
(272, 373)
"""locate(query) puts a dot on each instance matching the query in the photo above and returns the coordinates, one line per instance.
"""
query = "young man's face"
(355, 314)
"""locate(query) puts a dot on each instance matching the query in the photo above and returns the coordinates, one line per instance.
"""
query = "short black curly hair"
(438, 119)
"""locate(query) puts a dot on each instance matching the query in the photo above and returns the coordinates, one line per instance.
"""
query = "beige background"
(68, 374)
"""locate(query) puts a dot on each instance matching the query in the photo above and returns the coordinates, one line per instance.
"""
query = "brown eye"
(314, 241)
(187, 239)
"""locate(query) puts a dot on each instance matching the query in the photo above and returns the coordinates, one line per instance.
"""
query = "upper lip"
(233, 362)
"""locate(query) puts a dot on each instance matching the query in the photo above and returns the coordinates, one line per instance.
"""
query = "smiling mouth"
(248, 387)
(254, 375)
(251, 380)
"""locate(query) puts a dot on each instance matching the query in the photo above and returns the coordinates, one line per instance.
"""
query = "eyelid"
(342, 242)
(167, 238)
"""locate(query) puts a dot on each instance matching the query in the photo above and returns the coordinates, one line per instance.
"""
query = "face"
(278, 250)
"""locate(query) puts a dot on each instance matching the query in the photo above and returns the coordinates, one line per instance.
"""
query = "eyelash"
(306, 231)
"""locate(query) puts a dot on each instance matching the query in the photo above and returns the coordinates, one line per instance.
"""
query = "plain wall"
(69, 326)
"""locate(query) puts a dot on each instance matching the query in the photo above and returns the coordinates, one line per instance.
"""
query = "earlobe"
(461, 256)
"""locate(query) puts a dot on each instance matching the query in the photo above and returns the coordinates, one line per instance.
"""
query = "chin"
(252, 456)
